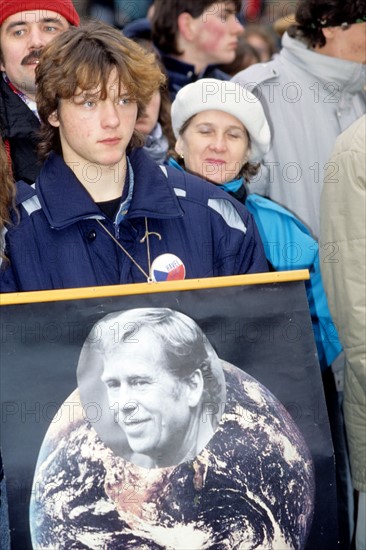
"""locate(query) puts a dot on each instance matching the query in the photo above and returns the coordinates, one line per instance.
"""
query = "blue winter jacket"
(289, 245)
(58, 243)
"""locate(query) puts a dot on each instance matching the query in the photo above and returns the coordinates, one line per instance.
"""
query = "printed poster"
(190, 419)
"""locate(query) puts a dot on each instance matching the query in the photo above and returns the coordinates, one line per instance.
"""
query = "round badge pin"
(167, 267)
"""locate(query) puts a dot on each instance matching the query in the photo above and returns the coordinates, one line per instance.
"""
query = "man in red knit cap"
(26, 26)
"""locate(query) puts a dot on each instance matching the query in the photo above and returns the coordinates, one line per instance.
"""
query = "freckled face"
(216, 33)
(214, 145)
(93, 130)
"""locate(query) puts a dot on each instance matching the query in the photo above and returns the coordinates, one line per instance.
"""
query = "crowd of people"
(181, 129)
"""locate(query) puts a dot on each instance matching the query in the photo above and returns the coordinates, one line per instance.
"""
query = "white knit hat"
(227, 96)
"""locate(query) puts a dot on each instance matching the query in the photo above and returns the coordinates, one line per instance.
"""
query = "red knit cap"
(62, 7)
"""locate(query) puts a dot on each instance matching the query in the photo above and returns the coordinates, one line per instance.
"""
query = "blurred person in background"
(154, 122)
(262, 39)
(194, 36)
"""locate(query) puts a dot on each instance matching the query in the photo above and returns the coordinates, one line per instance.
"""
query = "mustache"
(31, 57)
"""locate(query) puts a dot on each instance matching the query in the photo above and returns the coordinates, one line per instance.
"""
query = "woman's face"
(215, 146)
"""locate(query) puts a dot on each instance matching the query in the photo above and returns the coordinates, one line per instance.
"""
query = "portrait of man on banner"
(165, 384)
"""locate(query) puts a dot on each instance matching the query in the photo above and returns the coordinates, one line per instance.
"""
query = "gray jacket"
(309, 99)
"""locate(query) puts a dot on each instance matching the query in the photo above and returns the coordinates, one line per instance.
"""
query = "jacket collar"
(24, 192)
(65, 201)
(346, 74)
(153, 196)
(179, 67)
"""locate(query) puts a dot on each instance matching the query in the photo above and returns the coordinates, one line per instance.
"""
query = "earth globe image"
(248, 485)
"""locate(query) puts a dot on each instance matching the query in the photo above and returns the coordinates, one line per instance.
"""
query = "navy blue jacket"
(58, 242)
(181, 73)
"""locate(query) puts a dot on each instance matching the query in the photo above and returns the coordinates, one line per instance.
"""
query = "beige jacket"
(343, 266)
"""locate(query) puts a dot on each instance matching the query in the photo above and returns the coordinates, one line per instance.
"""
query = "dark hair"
(84, 57)
(165, 20)
(313, 15)
(247, 171)
(7, 195)
(184, 344)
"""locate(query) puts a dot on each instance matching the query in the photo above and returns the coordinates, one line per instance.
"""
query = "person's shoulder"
(26, 203)
(258, 73)
(214, 72)
(353, 138)
(7, 96)
(264, 203)
(186, 185)
(206, 196)
(16, 118)
(275, 215)
(195, 186)
(138, 28)
(173, 64)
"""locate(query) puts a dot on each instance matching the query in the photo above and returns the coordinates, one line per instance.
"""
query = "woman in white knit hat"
(222, 134)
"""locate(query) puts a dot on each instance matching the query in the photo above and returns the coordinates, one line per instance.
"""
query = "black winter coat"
(18, 127)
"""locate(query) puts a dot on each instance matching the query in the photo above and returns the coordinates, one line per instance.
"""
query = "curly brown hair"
(84, 57)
